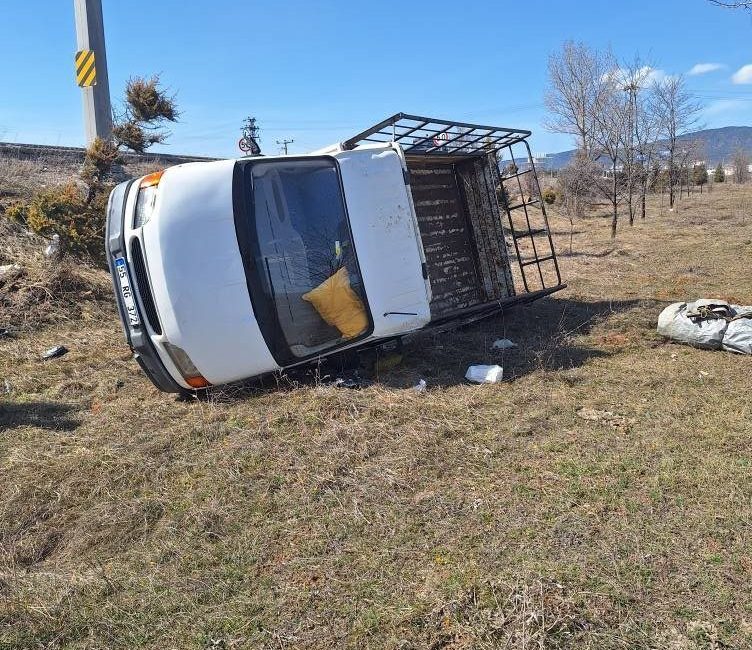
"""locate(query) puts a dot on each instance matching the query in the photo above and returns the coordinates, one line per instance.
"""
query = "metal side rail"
(479, 312)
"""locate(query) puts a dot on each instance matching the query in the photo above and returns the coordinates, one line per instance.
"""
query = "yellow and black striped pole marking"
(86, 69)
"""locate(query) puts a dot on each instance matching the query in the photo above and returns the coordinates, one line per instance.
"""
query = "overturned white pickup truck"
(231, 269)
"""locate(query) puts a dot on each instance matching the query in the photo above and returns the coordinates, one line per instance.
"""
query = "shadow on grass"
(46, 415)
(546, 333)
(606, 253)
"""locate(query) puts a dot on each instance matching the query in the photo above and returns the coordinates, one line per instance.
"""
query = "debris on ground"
(503, 344)
(346, 382)
(480, 374)
(610, 418)
(350, 380)
(708, 324)
(52, 251)
(421, 386)
(53, 353)
(9, 272)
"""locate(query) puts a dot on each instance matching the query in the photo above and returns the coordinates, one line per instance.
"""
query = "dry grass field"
(600, 497)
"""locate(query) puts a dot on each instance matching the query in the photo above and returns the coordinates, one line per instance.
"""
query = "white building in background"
(543, 163)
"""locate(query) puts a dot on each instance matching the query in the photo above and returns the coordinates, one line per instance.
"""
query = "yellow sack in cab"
(339, 305)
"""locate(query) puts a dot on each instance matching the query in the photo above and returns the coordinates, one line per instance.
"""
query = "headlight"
(146, 199)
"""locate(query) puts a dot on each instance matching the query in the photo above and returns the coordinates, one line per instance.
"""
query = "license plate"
(126, 290)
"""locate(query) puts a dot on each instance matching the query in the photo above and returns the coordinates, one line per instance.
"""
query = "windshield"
(304, 256)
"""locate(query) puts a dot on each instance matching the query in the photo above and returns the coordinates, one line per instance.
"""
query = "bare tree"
(618, 114)
(576, 87)
(605, 107)
(641, 152)
(740, 163)
(742, 4)
(576, 183)
(689, 153)
(584, 100)
(646, 142)
(632, 78)
(629, 156)
(678, 113)
(612, 137)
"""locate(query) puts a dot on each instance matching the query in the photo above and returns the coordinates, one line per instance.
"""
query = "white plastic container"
(484, 374)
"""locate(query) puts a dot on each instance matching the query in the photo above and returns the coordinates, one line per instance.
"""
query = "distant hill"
(719, 145)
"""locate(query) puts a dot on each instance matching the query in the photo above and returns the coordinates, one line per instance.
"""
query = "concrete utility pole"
(96, 97)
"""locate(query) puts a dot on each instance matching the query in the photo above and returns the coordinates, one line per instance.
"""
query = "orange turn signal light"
(197, 382)
(151, 180)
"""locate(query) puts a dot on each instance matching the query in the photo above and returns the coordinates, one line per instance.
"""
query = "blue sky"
(319, 72)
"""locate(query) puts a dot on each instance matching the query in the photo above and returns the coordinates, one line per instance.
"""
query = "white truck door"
(386, 238)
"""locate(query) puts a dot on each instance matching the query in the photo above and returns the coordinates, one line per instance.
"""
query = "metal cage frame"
(429, 136)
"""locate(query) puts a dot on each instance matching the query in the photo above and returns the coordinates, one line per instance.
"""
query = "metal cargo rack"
(428, 136)
(445, 141)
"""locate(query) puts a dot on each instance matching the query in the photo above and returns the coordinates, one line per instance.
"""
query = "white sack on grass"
(738, 337)
(674, 324)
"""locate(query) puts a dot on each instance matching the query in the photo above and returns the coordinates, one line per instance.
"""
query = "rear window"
(303, 240)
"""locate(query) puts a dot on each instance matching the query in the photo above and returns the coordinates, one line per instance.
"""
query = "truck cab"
(232, 269)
